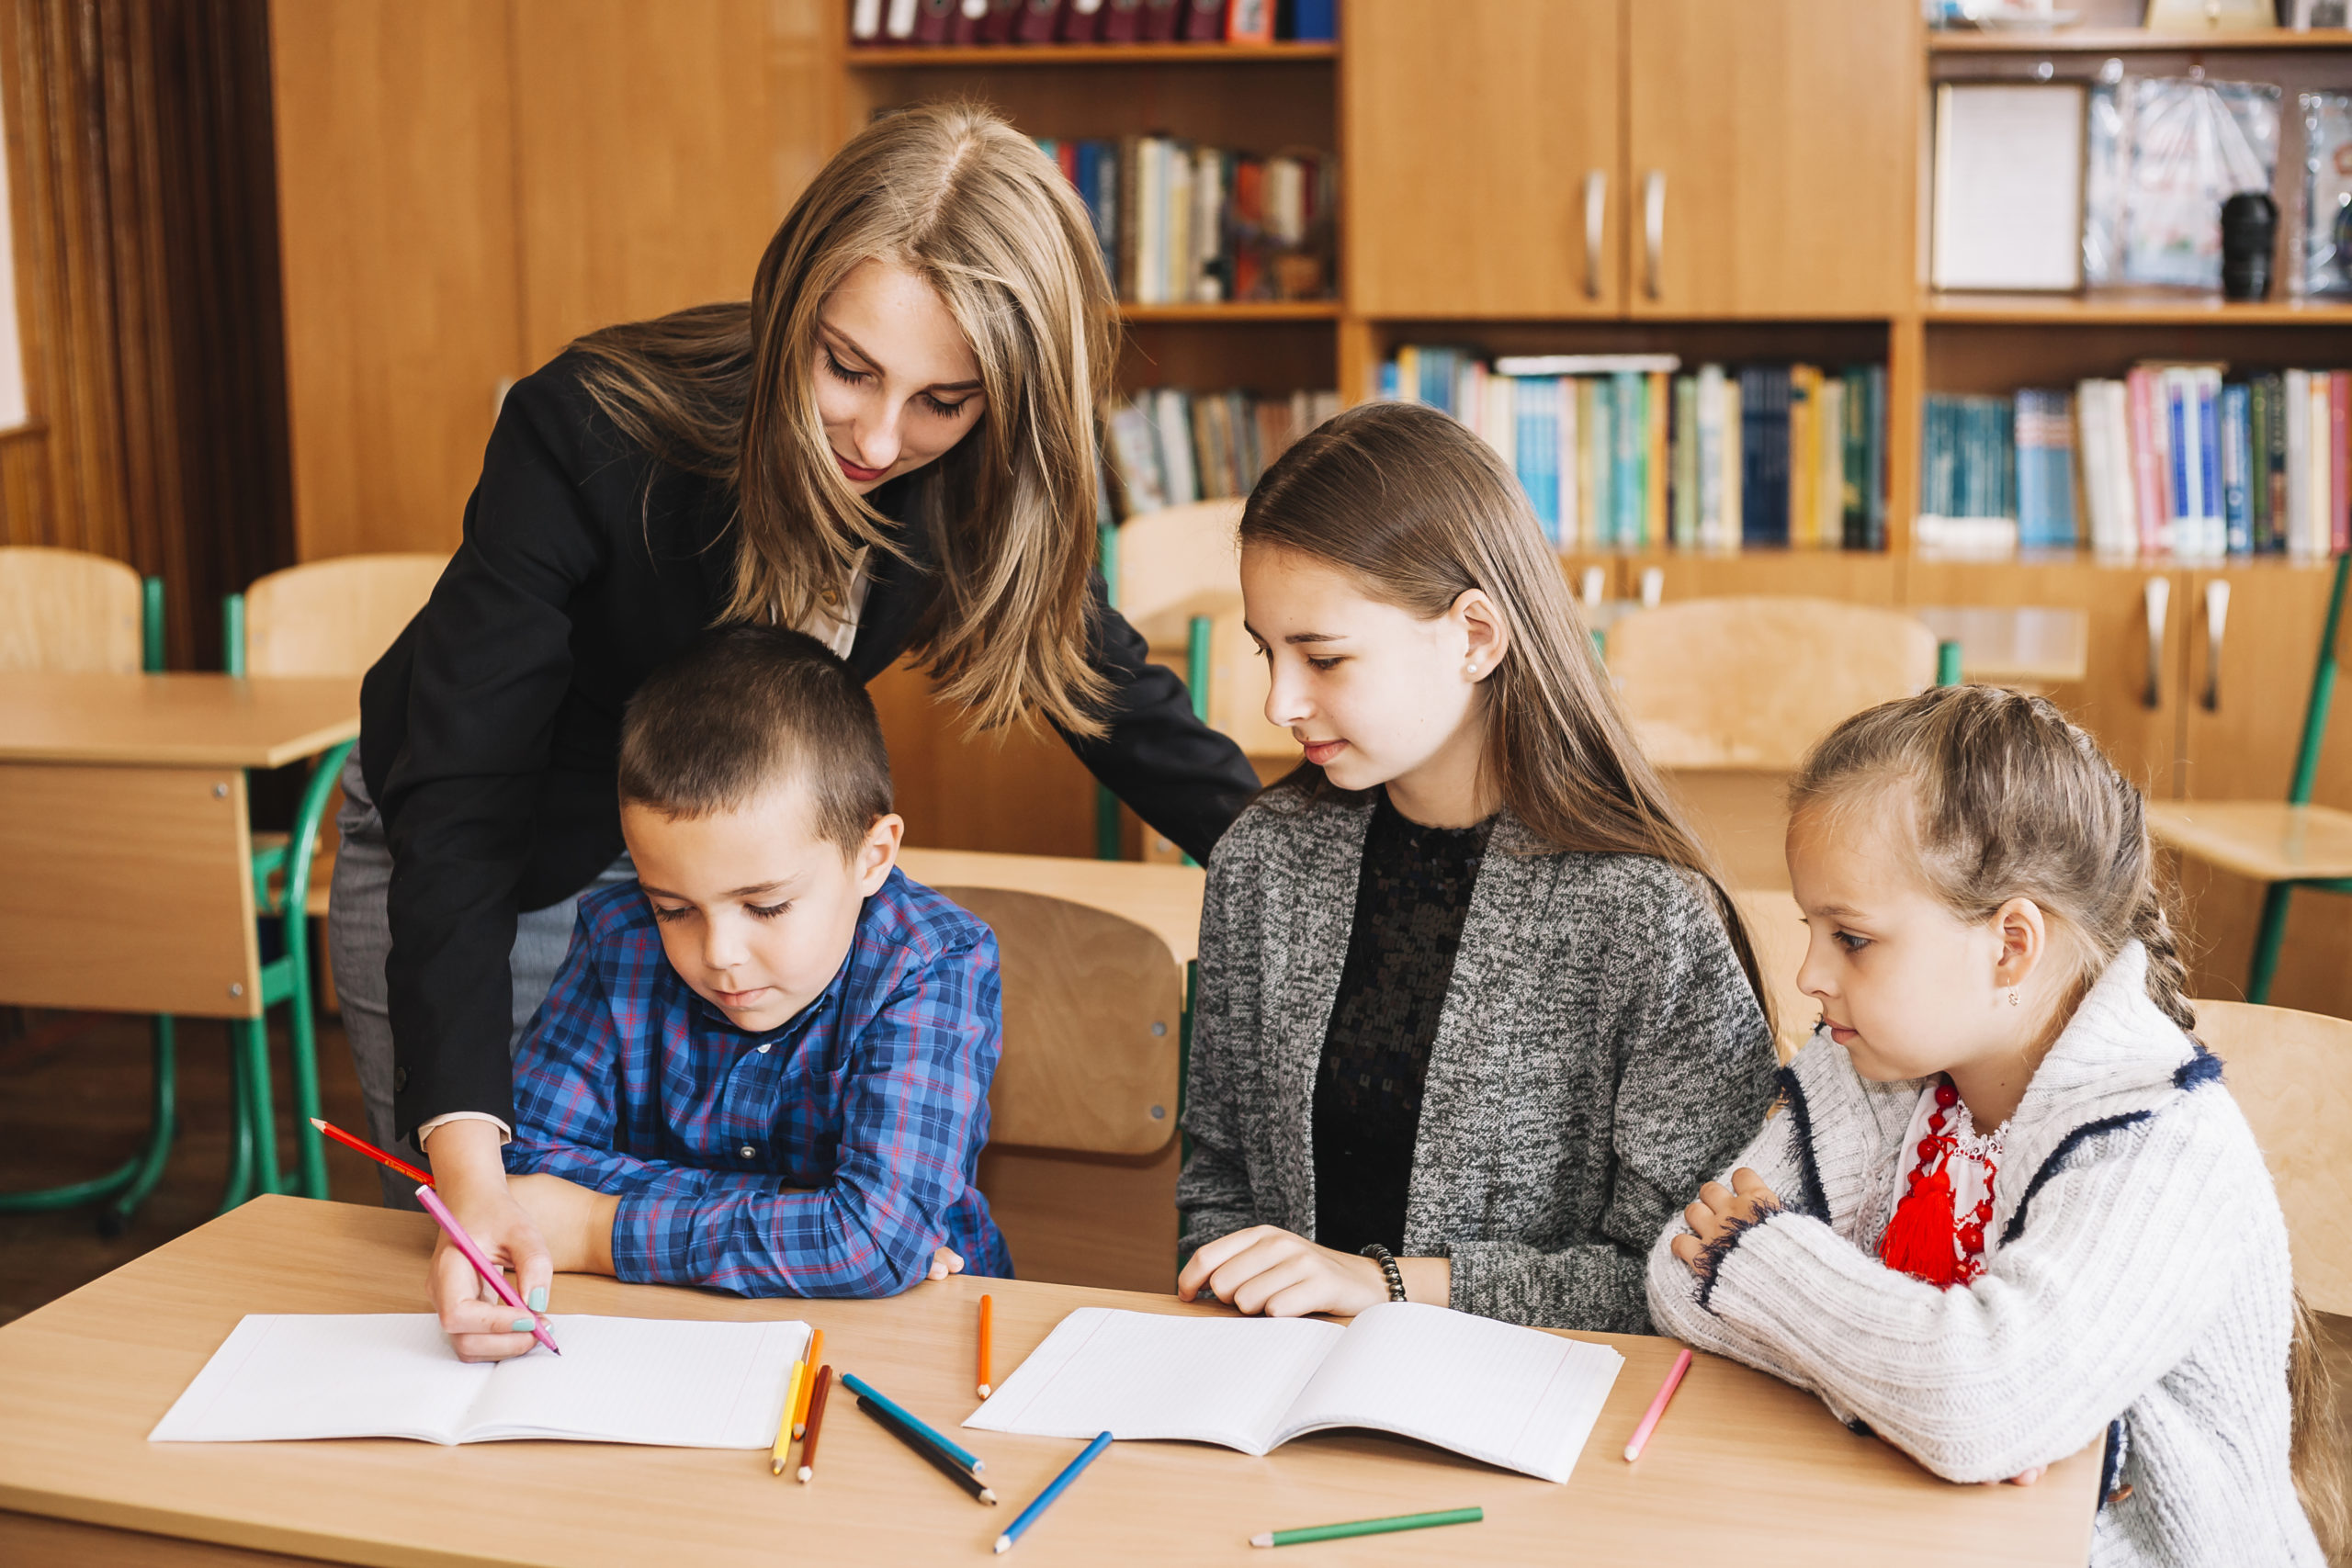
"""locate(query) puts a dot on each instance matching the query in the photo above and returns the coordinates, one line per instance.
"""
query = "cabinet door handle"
(1596, 218)
(2157, 596)
(1653, 229)
(2217, 621)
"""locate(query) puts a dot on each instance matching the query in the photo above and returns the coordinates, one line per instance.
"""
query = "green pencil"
(1369, 1527)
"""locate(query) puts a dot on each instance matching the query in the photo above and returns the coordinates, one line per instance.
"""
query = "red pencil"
(370, 1150)
(815, 1419)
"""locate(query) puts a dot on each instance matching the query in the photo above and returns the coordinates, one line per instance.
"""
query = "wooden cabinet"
(1770, 157)
(1473, 135)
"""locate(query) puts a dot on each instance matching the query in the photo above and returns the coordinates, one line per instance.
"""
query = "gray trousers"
(359, 937)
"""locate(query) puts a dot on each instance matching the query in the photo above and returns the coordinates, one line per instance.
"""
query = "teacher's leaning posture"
(892, 445)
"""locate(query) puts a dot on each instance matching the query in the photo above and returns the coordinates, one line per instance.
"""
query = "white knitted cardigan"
(2140, 1287)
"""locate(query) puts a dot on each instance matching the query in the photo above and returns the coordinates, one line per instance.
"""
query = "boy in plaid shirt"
(765, 1065)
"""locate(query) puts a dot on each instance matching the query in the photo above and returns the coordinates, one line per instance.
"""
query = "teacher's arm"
(1182, 777)
(471, 690)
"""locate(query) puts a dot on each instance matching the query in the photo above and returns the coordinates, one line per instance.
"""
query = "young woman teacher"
(891, 446)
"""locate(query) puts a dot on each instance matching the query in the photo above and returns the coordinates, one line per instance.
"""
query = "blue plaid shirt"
(873, 1098)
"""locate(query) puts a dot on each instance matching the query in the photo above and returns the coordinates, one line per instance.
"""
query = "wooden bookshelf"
(2135, 40)
(866, 57)
(2133, 308)
(1235, 310)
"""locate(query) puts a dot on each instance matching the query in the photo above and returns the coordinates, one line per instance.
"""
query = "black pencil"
(945, 1466)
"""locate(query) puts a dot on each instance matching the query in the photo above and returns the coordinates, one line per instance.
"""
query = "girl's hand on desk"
(472, 1178)
(1270, 1271)
(1719, 1208)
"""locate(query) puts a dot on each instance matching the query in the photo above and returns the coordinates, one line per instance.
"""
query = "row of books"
(953, 22)
(1181, 224)
(1170, 448)
(1627, 451)
(2178, 460)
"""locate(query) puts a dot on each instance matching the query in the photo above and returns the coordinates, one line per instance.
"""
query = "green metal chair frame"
(2271, 933)
(129, 1183)
(253, 1162)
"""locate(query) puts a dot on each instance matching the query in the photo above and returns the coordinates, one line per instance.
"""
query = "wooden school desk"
(1743, 1470)
(126, 854)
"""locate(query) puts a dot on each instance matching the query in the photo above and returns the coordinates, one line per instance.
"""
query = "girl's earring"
(2012, 999)
(1470, 667)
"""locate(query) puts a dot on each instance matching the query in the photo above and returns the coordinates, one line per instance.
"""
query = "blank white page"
(363, 1375)
(1208, 1380)
(1512, 1396)
(667, 1382)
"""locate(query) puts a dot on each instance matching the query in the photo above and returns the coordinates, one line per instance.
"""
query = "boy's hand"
(944, 1262)
(1267, 1270)
(576, 1220)
(1720, 1208)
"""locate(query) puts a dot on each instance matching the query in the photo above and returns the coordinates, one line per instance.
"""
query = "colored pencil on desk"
(782, 1449)
(1369, 1527)
(815, 1419)
(864, 1390)
(1657, 1406)
(1093, 1452)
(351, 1142)
(985, 1304)
(808, 1382)
(908, 1436)
(482, 1265)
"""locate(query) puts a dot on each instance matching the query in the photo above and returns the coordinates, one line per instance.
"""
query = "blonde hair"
(2008, 799)
(957, 197)
(1419, 510)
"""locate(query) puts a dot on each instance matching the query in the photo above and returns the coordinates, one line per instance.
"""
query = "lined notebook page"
(622, 1380)
(367, 1375)
(1511, 1396)
(667, 1383)
(1210, 1379)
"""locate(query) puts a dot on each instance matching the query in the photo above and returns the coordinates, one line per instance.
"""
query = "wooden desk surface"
(1165, 900)
(1743, 1470)
(179, 720)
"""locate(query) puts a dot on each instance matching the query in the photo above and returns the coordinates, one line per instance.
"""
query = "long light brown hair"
(954, 195)
(1417, 510)
(2002, 798)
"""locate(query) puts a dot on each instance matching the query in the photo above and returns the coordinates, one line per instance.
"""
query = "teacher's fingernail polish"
(523, 1325)
(538, 1298)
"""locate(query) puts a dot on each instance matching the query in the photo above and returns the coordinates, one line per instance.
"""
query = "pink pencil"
(482, 1265)
(1657, 1406)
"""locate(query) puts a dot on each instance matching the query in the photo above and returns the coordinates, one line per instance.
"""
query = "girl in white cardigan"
(2004, 1205)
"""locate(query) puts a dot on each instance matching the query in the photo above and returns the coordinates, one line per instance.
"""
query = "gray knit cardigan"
(1599, 1054)
(2139, 1287)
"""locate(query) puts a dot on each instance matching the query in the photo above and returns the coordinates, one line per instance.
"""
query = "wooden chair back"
(336, 616)
(67, 610)
(1776, 927)
(1183, 562)
(2285, 1069)
(1751, 682)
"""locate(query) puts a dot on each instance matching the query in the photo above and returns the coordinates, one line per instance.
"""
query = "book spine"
(2296, 415)
(2237, 448)
(1563, 463)
(1685, 462)
(1658, 394)
(2258, 479)
(2277, 385)
(1592, 503)
(1734, 446)
(1874, 458)
(2025, 433)
(2147, 461)
(1708, 459)
(2322, 532)
(1602, 449)
(1633, 444)
(1804, 452)
(2207, 387)
(2091, 461)
(2339, 416)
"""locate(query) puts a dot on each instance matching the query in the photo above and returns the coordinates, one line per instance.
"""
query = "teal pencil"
(962, 1456)
(1369, 1527)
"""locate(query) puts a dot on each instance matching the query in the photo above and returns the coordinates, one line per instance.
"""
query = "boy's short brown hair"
(745, 709)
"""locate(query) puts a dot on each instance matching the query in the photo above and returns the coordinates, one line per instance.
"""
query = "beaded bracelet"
(1388, 1262)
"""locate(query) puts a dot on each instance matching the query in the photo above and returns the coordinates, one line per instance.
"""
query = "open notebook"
(620, 1379)
(1511, 1396)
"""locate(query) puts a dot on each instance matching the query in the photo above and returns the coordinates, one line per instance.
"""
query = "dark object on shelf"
(2249, 230)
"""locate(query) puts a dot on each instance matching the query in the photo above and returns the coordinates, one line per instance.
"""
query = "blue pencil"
(963, 1457)
(1045, 1499)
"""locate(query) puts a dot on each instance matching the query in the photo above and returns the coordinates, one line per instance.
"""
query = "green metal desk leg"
(326, 781)
(2268, 937)
(250, 1040)
(163, 1120)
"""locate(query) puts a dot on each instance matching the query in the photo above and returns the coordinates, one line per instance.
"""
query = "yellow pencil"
(807, 1382)
(783, 1422)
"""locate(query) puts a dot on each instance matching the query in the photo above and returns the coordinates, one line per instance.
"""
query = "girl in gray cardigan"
(1473, 1014)
(2007, 1205)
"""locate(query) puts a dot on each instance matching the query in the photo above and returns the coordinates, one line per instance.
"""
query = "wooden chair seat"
(2287, 1070)
(2267, 841)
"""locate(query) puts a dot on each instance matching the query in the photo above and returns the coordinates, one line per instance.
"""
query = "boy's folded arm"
(2028, 1365)
(915, 1110)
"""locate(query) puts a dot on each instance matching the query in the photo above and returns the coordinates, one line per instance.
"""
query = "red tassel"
(1918, 1239)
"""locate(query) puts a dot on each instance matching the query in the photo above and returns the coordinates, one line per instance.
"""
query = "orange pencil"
(370, 1150)
(816, 1418)
(986, 1303)
(809, 1386)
